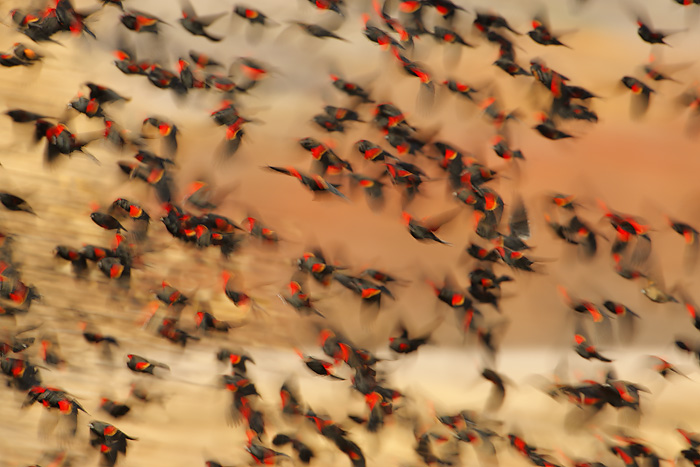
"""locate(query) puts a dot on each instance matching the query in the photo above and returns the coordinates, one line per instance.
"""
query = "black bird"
(15, 203)
(106, 221)
(650, 35)
(542, 35)
(303, 451)
(196, 24)
(23, 116)
(404, 344)
(585, 349)
(318, 31)
(252, 15)
(642, 92)
(548, 129)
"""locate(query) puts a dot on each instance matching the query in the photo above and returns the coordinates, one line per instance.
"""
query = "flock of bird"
(395, 157)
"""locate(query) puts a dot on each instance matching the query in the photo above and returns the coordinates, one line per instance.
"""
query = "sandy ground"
(646, 167)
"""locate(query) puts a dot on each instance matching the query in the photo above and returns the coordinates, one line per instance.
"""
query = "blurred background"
(642, 165)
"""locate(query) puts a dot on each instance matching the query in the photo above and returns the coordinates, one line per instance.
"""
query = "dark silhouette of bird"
(15, 203)
(318, 31)
(424, 229)
(139, 364)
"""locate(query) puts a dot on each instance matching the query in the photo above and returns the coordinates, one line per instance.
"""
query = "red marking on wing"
(318, 151)
(142, 21)
(409, 6)
(490, 201)
(345, 351)
(142, 365)
(689, 236)
(155, 175)
(285, 396)
(595, 312)
(116, 271)
(165, 129)
(370, 292)
(294, 287)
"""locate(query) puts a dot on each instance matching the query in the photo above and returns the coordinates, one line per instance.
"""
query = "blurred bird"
(141, 22)
(548, 129)
(318, 31)
(252, 15)
(15, 203)
(320, 367)
(303, 451)
(663, 367)
(313, 182)
(642, 94)
(351, 89)
(422, 229)
(541, 34)
(405, 345)
(652, 36)
(299, 299)
(586, 350)
(139, 364)
(110, 440)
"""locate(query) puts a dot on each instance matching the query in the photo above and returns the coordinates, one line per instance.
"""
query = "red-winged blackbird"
(24, 116)
(351, 89)
(106, 221)
(642, 94)
(303, 451)
(196, 24)
(53, 398)
(88, 107)
(59, 140)
(542, 35)
(15, 203)
(650, 35)
(207, 322)
(331, 5)
(104, 95)
(115, 409)
(585, 349)
(264, 455)
(423, 229)
(320, 367)
(25, 53)
(313, 182)
(404, 344)
(78, 261)
(663, 367)
(449, 36)
(109, 439)
(140, 22)
(318, 31)
(252, 15)
(139, 364)
(298, 298)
